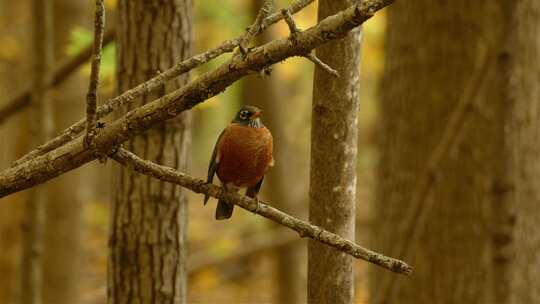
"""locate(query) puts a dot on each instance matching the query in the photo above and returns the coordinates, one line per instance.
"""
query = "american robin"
(241, 157)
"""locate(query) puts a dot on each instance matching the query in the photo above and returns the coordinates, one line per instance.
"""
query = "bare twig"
(290, 21)
(153, 84)
(139, 120)
(257, 26)
(91, 97)
(22, 100)
(303, 228)
(321, 64)
(414, 223)
(310, 56)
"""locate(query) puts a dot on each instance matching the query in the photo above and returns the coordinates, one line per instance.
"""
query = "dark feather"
(253, 191)
(224, 210)
(212, 167)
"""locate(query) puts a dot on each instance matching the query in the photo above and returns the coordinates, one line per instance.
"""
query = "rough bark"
(149, 217)
(32, 244)
(63, 211)
(74, 154)
(454, 254)
(524, 141)
(333, 162)
(269, 95)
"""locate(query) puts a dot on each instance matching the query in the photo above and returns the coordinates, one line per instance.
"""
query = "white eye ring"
(244, 114)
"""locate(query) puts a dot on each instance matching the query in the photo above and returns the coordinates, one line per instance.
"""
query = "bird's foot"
(257, 204)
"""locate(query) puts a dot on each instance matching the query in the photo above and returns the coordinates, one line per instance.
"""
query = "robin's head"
(249, 116)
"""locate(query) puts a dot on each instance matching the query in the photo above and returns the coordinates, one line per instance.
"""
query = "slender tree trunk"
(434, 49)
(14, 35)
(525, 144)
(333, 163)
(269, 95)
(42, 33)
(149, 220)
(61, 248)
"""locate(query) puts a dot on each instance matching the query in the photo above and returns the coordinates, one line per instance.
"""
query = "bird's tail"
(224, 210)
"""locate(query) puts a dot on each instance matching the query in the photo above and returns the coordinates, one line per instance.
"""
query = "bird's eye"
(244, 114)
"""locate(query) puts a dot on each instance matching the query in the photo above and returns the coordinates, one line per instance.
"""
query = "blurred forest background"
(246, 259)
(421, 64)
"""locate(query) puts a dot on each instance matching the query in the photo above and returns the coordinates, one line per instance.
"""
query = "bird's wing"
(214, 161)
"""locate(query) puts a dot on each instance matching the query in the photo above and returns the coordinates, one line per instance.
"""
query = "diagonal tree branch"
(157, 82)
(303, 228)
(74, 154)
(22, 100)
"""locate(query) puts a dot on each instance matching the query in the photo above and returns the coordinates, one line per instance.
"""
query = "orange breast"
(244, 155)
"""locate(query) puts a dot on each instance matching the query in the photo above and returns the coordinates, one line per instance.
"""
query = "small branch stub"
(322, 65)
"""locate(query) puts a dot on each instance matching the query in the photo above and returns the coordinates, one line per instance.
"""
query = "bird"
(241, 157)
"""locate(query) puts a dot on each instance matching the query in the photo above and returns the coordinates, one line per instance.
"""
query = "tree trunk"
(62, 231)
(42, 34)
(333, 163)
(149, 220)
(524, 142)
(14, 71)
(268, 94)
(433, 51)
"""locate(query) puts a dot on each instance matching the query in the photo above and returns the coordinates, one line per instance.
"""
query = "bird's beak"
(256, 114)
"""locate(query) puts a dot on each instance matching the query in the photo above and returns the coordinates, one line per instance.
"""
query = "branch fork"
(294, 30)
(68, 152)
(290, 22)
(257, 27)
(151, 85)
